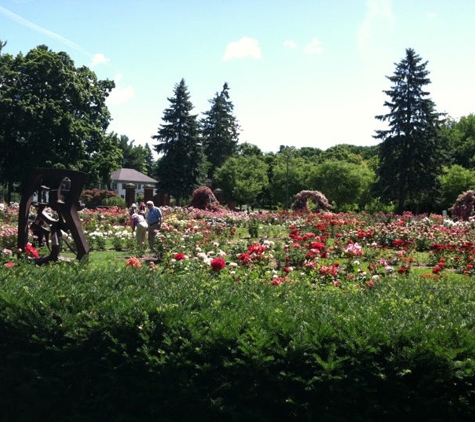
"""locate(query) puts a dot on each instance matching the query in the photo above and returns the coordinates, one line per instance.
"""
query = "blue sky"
(303, 73)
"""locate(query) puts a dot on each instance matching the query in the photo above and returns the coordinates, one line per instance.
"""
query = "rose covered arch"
(318, 199)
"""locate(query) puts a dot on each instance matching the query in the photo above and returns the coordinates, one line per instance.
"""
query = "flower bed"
(313, 317)
(343, 250)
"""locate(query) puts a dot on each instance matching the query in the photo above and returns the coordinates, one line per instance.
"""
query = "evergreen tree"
(181, 168)
(410, 155)
(220, 130)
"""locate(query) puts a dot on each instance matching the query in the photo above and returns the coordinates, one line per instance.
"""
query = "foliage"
(242, 178)
(181, 168)
(290, 174)
(348, 153)
(247, 149)
(455, 180)
(95, 197)
(134, 156)
(253, 227)
(319, 202)
(220, 130)
(52, 114)
(464, 206)
(115, 201)
(200, 346)
(204, 199)
(411, 155)
(461, 139)
(345, 184)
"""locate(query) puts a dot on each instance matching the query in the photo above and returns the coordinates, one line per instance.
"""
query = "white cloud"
(120, 94)
(376, 11)
(99, 58)
(290, 44)
(245, 47)
(314, 47)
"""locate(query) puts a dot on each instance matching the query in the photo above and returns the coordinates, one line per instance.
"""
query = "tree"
(134, 156)
(411, 155)
(52, 114)
(181, 168)
(104, 162)
(242, 178)
(149, 162)
(345, 184)
(290, 174)
(247, 150)
(342, 152)
(220, 130)
(461, 138)
(456, 180)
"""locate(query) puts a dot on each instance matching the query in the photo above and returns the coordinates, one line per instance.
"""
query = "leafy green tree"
(461, 139)
(309, 153)
(342, 152)
(266, 196)
(134, 156)
(411, 153)
(346, 185)
(220, 130)
(52, 114)
(149, 161)
(181, 169)
(242, 178)
(105, 161)
(290, 174)
(455, 181)
(247, 150)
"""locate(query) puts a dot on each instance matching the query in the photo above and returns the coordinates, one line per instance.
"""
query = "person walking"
(140, 226)
(154, 220)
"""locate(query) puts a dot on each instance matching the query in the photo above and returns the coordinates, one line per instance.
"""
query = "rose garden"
(289, 315)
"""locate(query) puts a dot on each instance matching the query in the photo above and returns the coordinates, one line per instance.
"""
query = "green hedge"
(78, 344)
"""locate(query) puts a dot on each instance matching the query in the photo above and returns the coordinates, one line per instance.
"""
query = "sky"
(302, 73)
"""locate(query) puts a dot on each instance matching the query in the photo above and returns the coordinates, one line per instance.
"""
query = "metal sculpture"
(58, 189)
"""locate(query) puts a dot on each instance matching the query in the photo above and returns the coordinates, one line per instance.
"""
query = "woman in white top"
(140, 226)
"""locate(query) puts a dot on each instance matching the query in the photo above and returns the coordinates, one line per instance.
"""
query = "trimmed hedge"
(77, 344)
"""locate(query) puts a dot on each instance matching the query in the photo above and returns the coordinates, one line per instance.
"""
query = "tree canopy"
(52, 114)
(242, 178)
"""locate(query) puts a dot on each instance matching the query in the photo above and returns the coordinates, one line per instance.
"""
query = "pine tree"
(181, 168)
(220, 130)
(410, 155)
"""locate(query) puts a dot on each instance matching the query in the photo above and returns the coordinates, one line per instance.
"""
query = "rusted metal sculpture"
(59, 190)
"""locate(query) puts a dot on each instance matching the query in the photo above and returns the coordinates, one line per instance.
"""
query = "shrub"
(114, 201)
(187, 347)
(464, 206)
(94, 197)
(204, 199)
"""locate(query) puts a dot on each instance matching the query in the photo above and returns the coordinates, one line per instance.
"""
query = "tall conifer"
(220, 130)
(410, 154)
(180, 169)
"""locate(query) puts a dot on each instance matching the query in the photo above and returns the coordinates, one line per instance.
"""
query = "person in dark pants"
(154, 220)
